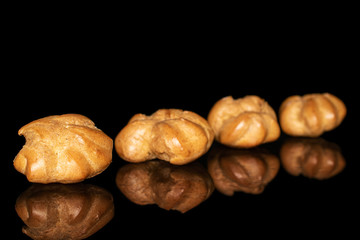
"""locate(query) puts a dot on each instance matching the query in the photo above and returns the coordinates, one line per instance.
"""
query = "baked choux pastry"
(63, 148)
(173, 135)
(169, 186)
(311, 115)
(312, 158)
(244, 122)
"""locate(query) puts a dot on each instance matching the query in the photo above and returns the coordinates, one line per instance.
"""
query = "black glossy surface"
(294, 203)
(111, 88)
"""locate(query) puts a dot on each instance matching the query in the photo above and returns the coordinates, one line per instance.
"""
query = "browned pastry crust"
(311, 115)
(57, 211)
(66, 148)
(173, 135)
(242, 170)
(313, 158)
(173, 187)
(244, 122)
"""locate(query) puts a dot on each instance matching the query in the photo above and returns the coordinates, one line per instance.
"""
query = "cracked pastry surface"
(63, 148)
(244, 122)
(311, 115)
(173, 135)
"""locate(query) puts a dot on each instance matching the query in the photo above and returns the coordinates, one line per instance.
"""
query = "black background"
(110, 74)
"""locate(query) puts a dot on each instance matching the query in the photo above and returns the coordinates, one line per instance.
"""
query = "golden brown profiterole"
(311, 115)
(243, 123)
(173, 135)
(63, 148)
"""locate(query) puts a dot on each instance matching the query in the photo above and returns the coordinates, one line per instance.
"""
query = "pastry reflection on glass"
(57, 211)
(248, 171)
(169, 186)
(313, 158)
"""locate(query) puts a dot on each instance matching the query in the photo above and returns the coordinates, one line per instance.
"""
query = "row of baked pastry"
(181, 136)
(250, 121)
(69, 148)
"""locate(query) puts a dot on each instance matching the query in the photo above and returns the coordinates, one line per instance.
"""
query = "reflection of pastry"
(247, 171)
(244, 122)
(170, 187)
(66, 148)
(57, 211)
(169, 134)
(311, 115)
(313, 158)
